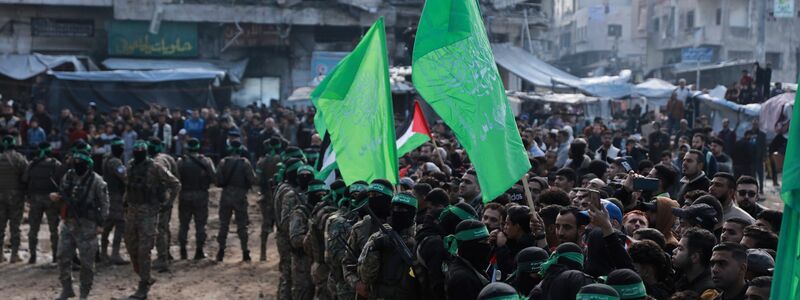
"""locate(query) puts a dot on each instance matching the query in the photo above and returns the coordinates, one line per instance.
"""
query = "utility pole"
(761, 35)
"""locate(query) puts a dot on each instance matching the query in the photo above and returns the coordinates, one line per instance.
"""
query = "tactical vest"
(40, 176)
(9, 176)
(194, 175)
(232, 173)
(314, 241)
(395, 281)
(138, 190)
(79, 197)
(115, 184)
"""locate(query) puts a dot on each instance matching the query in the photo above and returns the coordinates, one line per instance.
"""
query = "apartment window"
(690, 20)
(774, 58)
(656, 25)
(719, 17)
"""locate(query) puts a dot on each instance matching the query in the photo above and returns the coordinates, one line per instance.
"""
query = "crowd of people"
(605, 212)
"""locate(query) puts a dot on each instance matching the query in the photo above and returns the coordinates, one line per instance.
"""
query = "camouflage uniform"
(165, 214)
(285, 197)
(235, 176)
(382, 269)
(265, 170)
(144, 180)
(359, 235)
(12, 167)
(114, 175)
(337, 231)
(314, 246)
(196, 173)
(302, 283)
(86, 206)
(42, 177)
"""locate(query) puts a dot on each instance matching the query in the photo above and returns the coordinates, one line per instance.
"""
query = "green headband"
(581, 296)
(117, 143)
(43, 151)
(140, 144)
(376, 187)
(293, 167)
(529, 266)
(358, 187)
(84, 157)
(631, 291)
(295, 154)
(312, 155)
(506, 297)
(308, 168)
(451, 241)
(195, 147)
(405, 199)
(573, 256)
(459, 212)
(319, 187)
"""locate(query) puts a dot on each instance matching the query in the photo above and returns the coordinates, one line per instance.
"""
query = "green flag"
(454, 70)
(354, 106)
(786, 278)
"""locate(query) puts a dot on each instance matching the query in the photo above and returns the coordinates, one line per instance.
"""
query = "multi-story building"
(596, 36)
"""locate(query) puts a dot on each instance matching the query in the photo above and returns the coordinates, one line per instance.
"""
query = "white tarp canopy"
(739, 115)
(234, 70)
(773, 109)
(25, 66)
(539, 73)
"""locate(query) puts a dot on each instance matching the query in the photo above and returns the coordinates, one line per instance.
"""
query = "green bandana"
(84, 157)
(631, 291)
(529, 266)
(451, 241)
(140, 145)
(375, 187)
(43, 151)
(573, 256)
(358, 187)
(506, 297)
(459, 212)
(295, 153)
(595, 297)
(405, 199)
(293, 167)
(317, 188)
(308, 168)
(117, 143)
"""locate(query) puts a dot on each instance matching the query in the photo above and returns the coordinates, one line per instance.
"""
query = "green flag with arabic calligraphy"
(454, 71)
(354, 106)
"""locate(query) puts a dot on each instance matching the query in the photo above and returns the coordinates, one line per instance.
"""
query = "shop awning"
(234, 70)
(25, 66)
(141, 76)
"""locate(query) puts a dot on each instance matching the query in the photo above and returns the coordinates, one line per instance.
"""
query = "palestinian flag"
(417, 133)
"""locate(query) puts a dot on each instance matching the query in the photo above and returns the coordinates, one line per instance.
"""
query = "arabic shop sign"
(131, 38)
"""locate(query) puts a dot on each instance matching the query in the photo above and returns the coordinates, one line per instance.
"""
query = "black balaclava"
(304, 177)
(316, 191)
(449, 220)
(153, 146)
(45, 150)
(628, 284)
(82, 163)
(380, 203)
(529, 262)
(139, 151)
(117, 147)
(476, 252)
(193, 145)
(498, 290)
(8, 142)
(290, 174)
(404, 211)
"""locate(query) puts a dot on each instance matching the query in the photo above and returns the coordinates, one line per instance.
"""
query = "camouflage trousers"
(233, 201)
(302, 283)
(339, 289)
(80, 236)
(40, 206)
(193, 205)
(267, 207)
(115, 222)
(11, 207)
(319, 274)
(285, 265)
(164, 235)
(140, 232)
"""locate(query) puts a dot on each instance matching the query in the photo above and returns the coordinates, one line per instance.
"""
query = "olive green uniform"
(12, 167)
(235, 176)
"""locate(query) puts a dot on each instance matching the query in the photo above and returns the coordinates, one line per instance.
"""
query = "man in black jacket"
(694, 178)
(464, 275)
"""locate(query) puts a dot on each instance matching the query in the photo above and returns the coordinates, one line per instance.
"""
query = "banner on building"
(323, 62)
(784, 9)
(131, 38)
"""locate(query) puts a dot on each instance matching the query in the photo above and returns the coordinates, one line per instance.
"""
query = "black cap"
(701, 213)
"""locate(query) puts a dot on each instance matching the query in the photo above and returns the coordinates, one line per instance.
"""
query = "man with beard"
(84, 197)
(570, 225)
(42, 176)
(470, 191)
(235, 177)
(196, 172)
(607, 152)
(380, 196)
(470, 249)
(266, 168)
(692, 257)
(578, 160)
(380, 265)
(145, 179)
(747, 195)
(12, 167)
(723, 186)
(114, 175)
(529, 264)
(694, 178)
(310, 194)
(155, 148)
(493, 216)
(724, 161)
(728, 270)
(700, 143)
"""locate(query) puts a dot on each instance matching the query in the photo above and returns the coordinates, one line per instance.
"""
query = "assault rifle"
(394, 237)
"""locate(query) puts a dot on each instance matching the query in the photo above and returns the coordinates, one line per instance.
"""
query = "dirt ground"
(187, 279)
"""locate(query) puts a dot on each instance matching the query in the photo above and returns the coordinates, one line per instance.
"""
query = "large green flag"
(354, 106)
(786, 278)
(454, 70)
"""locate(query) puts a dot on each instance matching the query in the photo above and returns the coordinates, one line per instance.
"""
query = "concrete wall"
(21, 41)
(104, 3)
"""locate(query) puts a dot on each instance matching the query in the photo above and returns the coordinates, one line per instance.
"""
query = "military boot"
(246, 255)
(2, 257)
(263, 253)
(115, 257)
(220, 254)
(184, 255)
(15, 256)
(85, 291)
(32, 259)
(161, 265)
(199, 254)
(66, 291)
(142, 290)
(104, 249)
